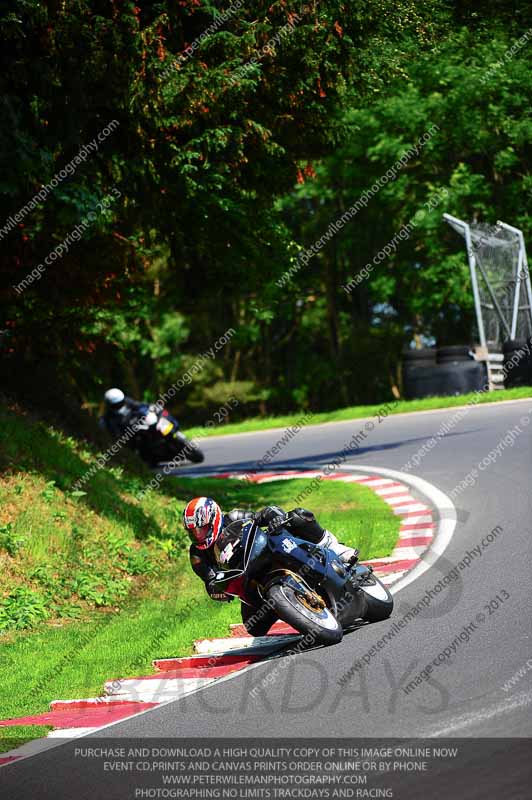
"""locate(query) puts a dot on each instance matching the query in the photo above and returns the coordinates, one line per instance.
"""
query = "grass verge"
(17, 735)
(358, 412)
(60, 640)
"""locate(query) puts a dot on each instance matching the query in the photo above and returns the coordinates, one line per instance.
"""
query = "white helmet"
(114, 397)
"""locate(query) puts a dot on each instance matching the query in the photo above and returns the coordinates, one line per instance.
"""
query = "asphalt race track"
(469, 699)
(463, 697)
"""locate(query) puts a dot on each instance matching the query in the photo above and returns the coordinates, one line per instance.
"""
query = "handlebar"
(273, 527)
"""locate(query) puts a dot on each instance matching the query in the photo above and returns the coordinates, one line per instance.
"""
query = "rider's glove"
(146, 422)
(221, 596)
(214, 594)
(271, 517)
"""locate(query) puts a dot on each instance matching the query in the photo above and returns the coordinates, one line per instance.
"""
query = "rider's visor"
(200, 535)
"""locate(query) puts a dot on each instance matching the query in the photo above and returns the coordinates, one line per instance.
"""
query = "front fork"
(297, 583)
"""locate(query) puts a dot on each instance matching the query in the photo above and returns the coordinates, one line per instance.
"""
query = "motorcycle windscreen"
(228, 550)
(257, 551)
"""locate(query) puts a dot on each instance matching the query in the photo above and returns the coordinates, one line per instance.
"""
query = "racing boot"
(348, 555)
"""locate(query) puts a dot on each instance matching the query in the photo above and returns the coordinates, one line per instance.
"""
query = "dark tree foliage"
(204, 117)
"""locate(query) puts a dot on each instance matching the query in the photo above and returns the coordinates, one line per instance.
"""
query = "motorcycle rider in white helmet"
(122, 412)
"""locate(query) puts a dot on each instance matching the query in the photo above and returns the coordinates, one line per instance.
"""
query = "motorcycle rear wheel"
(321, 626)
(378, 598)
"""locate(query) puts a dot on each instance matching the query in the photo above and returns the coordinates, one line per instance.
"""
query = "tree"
(463, 107)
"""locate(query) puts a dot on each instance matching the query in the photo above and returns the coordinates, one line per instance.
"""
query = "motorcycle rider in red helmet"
(204, 521)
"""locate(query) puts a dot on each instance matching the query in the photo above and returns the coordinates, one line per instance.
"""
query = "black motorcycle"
(158, 439)
(304, 584)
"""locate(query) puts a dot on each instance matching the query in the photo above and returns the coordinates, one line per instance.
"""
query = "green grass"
(15, 736)
(358, 412)
(65, 646)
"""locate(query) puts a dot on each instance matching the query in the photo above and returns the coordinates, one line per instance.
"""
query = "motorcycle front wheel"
(194, 454)
(312, 619)
(185, 448)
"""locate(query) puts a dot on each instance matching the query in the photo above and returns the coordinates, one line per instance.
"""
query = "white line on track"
(477, 717)
(445, 509)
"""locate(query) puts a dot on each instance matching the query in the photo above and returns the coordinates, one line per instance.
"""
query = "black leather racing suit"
(257, 621)
(116, 420)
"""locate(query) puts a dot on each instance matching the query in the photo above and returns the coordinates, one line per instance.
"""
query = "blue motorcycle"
(304, 584)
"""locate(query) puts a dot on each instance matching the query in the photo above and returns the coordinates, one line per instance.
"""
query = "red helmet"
(203, 521)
